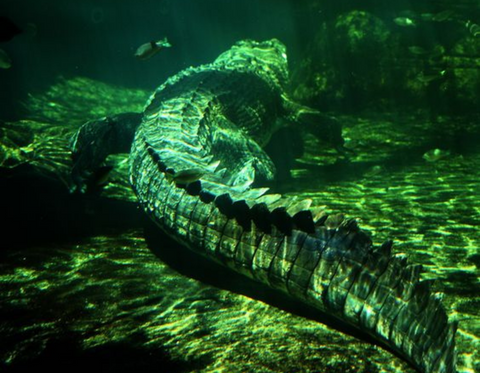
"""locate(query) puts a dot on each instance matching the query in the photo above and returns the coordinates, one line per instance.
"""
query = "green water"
(82, 286)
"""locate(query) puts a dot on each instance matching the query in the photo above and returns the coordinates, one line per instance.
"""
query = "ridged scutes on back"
(223, 112)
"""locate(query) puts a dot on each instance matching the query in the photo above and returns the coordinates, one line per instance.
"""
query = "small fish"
(8, 29)
(148, 50)
(405, 22)
(443, 16)
(435, 155)
(427, 16)
(426, 79)
(186, 176)
(473, 28)
(5, 61)
(437, 51)
(419, 51)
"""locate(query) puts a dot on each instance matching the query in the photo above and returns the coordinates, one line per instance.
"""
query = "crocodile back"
(224, 112)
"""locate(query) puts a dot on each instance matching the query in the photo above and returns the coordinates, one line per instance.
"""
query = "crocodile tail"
(327, 262)
(333, 267)
(401, 309)
(382, 295)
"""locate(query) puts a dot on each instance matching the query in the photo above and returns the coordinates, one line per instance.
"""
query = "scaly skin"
(226, 111)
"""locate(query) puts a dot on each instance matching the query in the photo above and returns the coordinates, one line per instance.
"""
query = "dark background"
(97, 38)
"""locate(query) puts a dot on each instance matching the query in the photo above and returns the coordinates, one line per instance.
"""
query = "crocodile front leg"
(96, 140)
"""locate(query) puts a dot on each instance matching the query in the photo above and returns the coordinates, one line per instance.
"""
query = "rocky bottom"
(82, 284)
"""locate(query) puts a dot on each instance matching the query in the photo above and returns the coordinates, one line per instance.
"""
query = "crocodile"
(211, 123)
